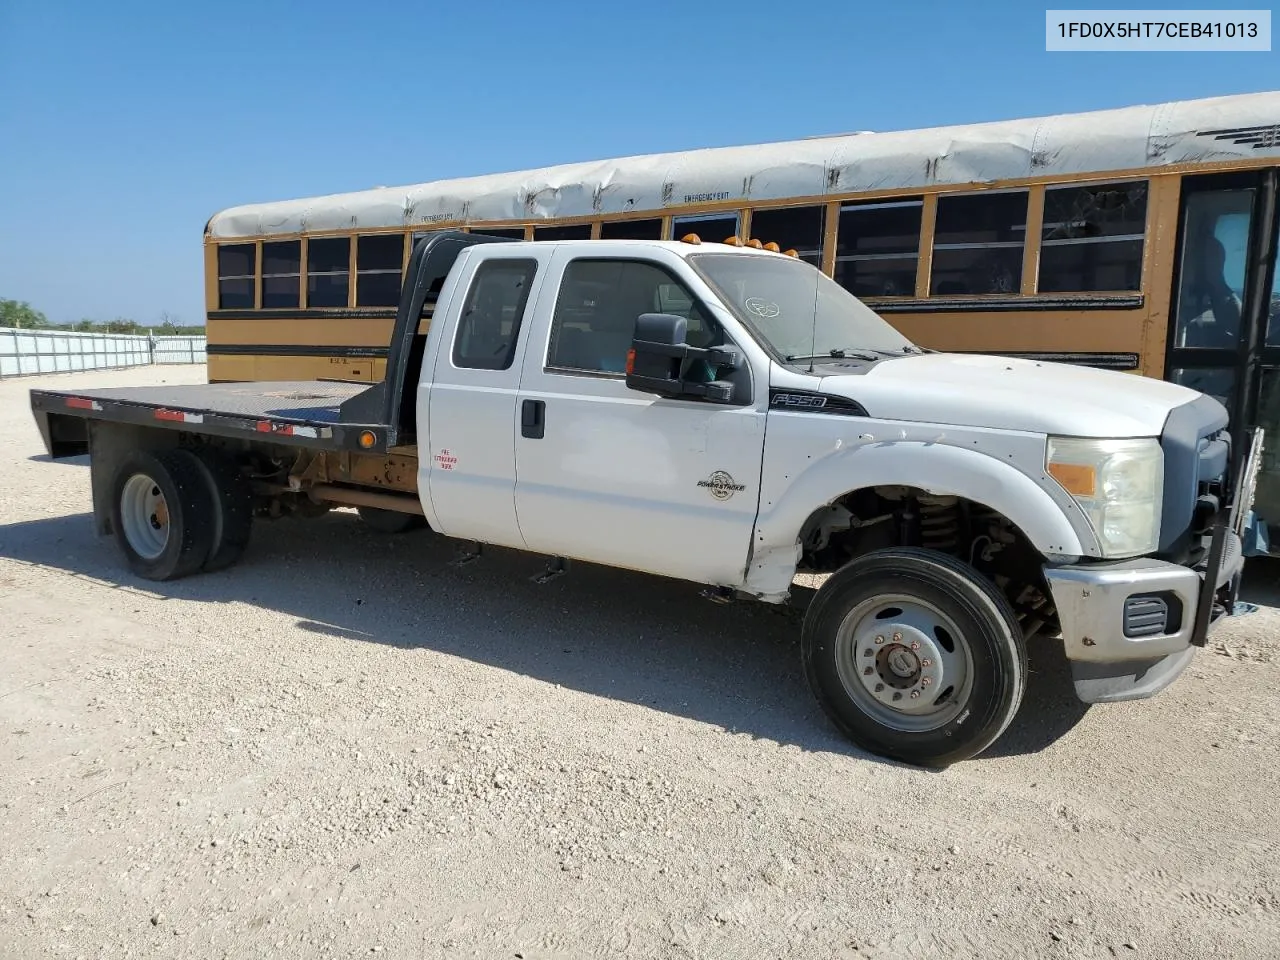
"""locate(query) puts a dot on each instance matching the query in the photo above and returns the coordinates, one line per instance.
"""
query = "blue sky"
(126, 125)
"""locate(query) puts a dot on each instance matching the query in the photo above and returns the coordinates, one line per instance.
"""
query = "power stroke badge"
(721, 485)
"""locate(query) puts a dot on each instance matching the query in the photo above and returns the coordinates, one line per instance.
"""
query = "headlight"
(1120, 486)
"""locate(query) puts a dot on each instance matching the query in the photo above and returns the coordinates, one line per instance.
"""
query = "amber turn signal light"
(1079, 480)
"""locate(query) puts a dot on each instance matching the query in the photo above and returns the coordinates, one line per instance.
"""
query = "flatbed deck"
(300, 412)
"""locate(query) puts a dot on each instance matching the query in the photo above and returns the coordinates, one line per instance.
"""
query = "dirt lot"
(346, 746)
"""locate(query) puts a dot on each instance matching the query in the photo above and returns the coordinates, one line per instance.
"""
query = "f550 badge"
(802, 401)
(721, 485)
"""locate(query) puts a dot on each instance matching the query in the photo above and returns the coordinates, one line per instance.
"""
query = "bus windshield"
(799, 312)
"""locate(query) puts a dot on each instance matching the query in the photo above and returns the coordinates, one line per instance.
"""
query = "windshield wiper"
(836, 354)
(910, 348)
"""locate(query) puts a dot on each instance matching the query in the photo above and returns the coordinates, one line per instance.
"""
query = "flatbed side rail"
(54, 409)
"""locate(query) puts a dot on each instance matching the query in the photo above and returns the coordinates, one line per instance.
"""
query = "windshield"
(800, 312)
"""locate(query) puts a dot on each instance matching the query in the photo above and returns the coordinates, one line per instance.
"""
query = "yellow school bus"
(1140, 239)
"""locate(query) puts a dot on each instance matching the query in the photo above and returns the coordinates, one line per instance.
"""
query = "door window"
(596, 310)
(1211, 283)
(1217, 382)
(490, 324)
(1267, 497)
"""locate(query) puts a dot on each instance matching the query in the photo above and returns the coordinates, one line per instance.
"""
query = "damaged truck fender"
(1052, 523)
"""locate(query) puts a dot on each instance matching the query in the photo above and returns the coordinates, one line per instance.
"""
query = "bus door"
(1224, 318)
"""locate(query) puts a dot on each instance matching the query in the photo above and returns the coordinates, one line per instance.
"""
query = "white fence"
(27, 352)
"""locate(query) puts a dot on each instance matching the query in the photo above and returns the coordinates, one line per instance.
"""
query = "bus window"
(281, 267)
(577, 231)
(328, 271)
(977, 243)
(507, 233)
(650, 229)
(378, 260)
(792, 228)
(237, 264)
(1212, 268)
(878, 248)
(1092, 238)
(711, 228)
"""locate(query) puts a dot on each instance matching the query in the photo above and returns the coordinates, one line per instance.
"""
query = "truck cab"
(728, 415)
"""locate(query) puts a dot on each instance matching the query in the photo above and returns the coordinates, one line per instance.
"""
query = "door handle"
(533, 419)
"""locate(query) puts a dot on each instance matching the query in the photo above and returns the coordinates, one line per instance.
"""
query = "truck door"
(619, 477)
(467, 464)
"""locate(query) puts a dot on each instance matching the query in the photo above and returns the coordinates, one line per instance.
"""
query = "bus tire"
(233, 507)
(162, 513)
(390, 521)
(915, 656)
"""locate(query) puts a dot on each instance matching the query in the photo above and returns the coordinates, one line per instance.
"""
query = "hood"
(1012, 394)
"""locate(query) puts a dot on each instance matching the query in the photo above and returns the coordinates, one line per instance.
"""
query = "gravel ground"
(346, 746)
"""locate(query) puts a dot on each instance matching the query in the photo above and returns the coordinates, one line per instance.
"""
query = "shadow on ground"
(1261, 581)
(610, 633)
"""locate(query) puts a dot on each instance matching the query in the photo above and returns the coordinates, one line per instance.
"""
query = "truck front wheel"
(162, 511)
(915, 656)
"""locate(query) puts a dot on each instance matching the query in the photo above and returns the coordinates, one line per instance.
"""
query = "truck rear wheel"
(163, 514)
(915, 656)
(390, 521)
(233, 508)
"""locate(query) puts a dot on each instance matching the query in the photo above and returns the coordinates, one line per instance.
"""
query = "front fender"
(1052, 521)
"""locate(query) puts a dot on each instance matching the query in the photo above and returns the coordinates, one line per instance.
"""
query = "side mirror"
(659, 361)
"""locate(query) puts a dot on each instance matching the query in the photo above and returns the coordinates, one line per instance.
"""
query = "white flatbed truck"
(728, 416)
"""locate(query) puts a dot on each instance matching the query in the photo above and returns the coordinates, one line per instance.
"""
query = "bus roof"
(1228, 128)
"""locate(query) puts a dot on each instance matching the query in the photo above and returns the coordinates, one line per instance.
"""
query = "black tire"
(969, 719)
(184, 535)
(390, 521)
(233, 507)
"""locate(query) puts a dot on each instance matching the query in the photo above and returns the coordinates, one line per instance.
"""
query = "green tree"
(85, 326)
(15, 313)
(121, 325)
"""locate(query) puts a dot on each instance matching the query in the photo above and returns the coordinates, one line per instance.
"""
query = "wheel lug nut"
(915, 645)
(879, 639)
(897, 638)
(926, 662)
(915, 694)
(926, 681)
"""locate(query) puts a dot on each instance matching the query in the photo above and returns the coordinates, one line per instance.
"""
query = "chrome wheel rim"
(144, 514)
(904, 663)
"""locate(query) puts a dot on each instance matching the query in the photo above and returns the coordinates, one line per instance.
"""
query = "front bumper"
(1105, 613)
(1129, 629)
